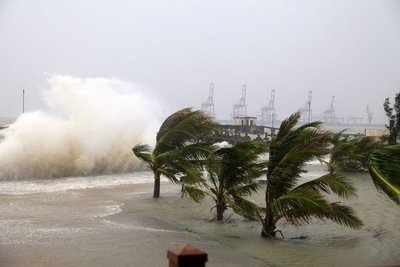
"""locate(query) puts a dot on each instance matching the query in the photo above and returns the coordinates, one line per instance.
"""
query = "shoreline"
(98, 227)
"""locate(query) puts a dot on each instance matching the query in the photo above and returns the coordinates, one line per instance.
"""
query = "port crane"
(240, 109)
(208, 106)
(329, 114)
(268, 113)
(369, 115)
(306, 111)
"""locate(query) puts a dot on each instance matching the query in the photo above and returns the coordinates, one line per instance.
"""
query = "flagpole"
(23, 100)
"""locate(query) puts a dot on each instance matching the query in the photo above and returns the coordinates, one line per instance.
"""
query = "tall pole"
(23, 100)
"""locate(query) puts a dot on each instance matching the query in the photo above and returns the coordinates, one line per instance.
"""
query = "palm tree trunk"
(331, 169)
(220, 212)
(156, 191)
(268, 223)
(269, 227)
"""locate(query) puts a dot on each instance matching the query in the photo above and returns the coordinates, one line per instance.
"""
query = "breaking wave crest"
(89, 128)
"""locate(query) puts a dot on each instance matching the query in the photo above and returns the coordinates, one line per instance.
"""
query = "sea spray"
(89, 128)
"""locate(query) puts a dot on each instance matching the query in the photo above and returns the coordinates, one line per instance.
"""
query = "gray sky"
(349, 49)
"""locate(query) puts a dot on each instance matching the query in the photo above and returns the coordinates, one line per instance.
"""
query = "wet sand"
(62, 230)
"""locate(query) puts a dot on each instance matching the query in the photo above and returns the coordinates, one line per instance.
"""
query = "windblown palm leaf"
(330, 183)
(384, 167)
(300, 203)
(344, 215)
(143, 152)
(178, 153)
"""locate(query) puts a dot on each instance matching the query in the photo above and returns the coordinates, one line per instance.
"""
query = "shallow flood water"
(317, 244)
(66, 214)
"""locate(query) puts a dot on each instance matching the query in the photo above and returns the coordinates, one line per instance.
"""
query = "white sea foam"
(89, 128)
(74, 183)
(111, 209)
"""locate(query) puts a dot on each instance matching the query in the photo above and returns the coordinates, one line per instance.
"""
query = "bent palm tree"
(384, 167)
(341, 151)
(285, 198)
(231, 173)
(177, 150)
(350, 154)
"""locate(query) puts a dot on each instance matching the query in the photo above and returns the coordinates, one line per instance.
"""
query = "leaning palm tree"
(350, 153)
(298, 203)
(384, 167)
(230, 177)
(341, 151)
(177, 151)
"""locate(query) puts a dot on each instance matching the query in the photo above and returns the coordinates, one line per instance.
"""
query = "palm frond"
(142, 151)
(344, 215)
(287, 125)
(192, 176)
(304, 206)
(240, 163)
(243, 207)
(292, 148)
(384, 168)
(299, 206)
(292, 154)
(183, 127)
(196, 152)
(169, 173)
(330, 183)
(171, 121)
(243, 190)
(195, 193)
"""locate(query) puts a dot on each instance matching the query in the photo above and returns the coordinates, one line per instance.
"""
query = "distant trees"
(298, 203)
(393, 115)
(178, 152)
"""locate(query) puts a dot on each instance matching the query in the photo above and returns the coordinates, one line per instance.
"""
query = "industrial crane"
(306, 111)
(268, 113)
(208, 106)
(329, 114)
(240, 109)
(369, 115)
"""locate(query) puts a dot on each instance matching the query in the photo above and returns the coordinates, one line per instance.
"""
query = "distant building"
(377, 133)
(246, 121)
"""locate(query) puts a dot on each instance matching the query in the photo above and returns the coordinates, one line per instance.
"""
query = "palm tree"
(384, 167)
(365, 145)
(230, 177)
(341, 150)
(298, 203)
(177, 151)
(350, 153)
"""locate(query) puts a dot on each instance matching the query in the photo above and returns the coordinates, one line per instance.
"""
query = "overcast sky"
(176, 48)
